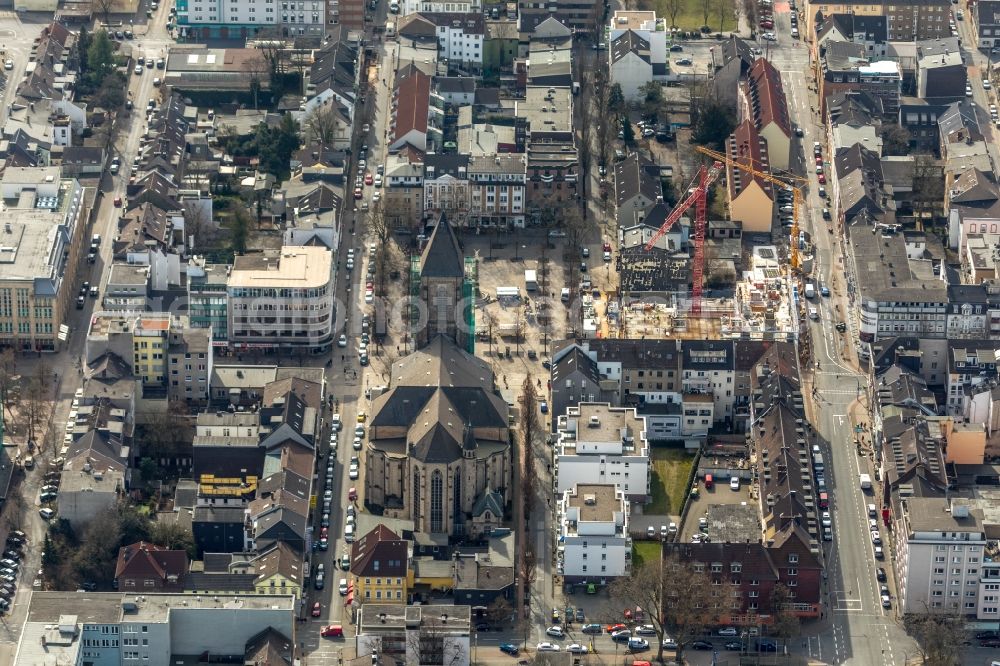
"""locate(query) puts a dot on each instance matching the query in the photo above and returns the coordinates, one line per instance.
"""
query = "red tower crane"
(697, 197)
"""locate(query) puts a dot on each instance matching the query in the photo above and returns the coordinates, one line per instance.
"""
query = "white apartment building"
(593, 534)
(988, 598)
(441, 6)
(600, 444)
(461, 38)
(939, 556)
(282, 299)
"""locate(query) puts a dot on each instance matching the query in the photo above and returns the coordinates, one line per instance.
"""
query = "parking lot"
(719, 494)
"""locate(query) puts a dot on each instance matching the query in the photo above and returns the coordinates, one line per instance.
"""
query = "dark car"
(734, 645)
(676, 48)
(702, 645)
(982, 635)
(507, 648)
(880, 576)
(990, 643)
(767, 646)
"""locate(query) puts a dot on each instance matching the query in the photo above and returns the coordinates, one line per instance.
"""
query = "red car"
(628, 613)
(317, 610)
(357, 193)
(118, 202)
(767, 24)
(368, 178)
(607, 246)
(612, 628)
(822, 179)
(332, 631)
(352, 494)
(324, 532)
(819, 159)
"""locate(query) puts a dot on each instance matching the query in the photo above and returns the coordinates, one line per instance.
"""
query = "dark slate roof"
(219, 514)
(455, 84)
(437, 165)
(576, 360)
(492, 502)
(734, 47)
(443, 256)
(204, 582)
(848, 160)
(629, 42)
(854, 26)
(958, 117)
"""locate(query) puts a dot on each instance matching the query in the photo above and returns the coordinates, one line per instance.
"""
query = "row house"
(497, 187)
(847, 66)
(906, 20)
(446, 186)
(762, 101)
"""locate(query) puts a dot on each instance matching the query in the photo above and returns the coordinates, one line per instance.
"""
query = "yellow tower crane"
(751, 166)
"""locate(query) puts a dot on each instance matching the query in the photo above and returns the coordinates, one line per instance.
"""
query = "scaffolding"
(470, 292)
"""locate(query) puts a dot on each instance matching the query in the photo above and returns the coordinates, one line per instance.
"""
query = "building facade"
(594, 524)
(282, 300)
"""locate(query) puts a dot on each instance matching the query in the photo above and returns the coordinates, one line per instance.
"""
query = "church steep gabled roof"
(442, 257)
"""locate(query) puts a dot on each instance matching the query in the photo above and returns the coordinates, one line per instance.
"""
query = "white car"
(336, 423)
(342, 341)
(876, 537)
(369, 296)
(547, 647)
(8, 64)
(827, 519)
(357, 443)
(576, 648)
(46, 513)
(728, 631)
(734, 483)
(646, 630)
(352, 473)
(343, 587)
(669, 643)
(555, 632)
(378, 180)
(770, 37)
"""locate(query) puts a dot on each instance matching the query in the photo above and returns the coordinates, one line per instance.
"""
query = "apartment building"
(601, 444)
(497, 189)
(905, 19)
(282, 300)
(940, 548)
(242, 19)
(763, 102)
(987, 16)
(552, 170)
(189, 364)
(446, 186)
(129, 630)
(576, 15)
(751, 198)
(902, 293)
(43, 238)
(144, 341)
(594, 533)
(380, 567)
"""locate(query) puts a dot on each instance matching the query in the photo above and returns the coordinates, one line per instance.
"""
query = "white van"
(872, 511)
(813, 313)
(349, 534)
(564, 295)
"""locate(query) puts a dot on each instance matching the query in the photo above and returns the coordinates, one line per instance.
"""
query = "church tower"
(444, 282)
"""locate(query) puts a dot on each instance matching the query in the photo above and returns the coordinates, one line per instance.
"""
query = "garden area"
(668, 485)
(692, 15)
(645, 551)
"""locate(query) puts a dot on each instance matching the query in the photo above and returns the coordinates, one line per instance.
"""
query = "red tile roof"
(764, 80)
(147, 560)
(412, 97)
(746, 147)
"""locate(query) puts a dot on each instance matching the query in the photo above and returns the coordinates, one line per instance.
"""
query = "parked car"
(702, 645)
(547, 647)
(508, 648)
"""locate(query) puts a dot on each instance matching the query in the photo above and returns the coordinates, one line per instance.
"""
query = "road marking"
(844, 604)
(840, 418)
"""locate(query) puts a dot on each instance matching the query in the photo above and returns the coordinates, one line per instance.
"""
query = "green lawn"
(692, 13)
(645, 551)
(671, 469)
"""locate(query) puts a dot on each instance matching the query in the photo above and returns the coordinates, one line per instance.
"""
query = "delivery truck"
(810, 290)
(866, 482)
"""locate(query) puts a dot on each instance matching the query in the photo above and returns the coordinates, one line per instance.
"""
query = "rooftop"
(442, 619)
(595, 502)
(937, 514)
(547, 109)
(297, 267)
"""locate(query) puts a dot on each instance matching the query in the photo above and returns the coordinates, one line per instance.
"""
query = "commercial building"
(43, 228)
(242, 19)
(151, 629)
(208, 298)
(282, 300)
(600, 444)
(593, 531)
(428, 634)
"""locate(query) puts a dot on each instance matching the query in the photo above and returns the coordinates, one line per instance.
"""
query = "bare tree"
(104, 7)
(706, 9)
(673, 594)
(385, 250)
(724, 8)
(490, 321)
(939, 636)
(197, 225)
(674, 8)
(519, 326)
(585, 148)
(928, 186)
(432, 644)
(37, 402)
(9, 383)
(786, 624)
(257, 68)
(499, 612)
(600, 98)
(321, 125)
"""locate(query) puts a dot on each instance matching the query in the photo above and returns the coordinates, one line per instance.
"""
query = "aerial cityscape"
(449, 332)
